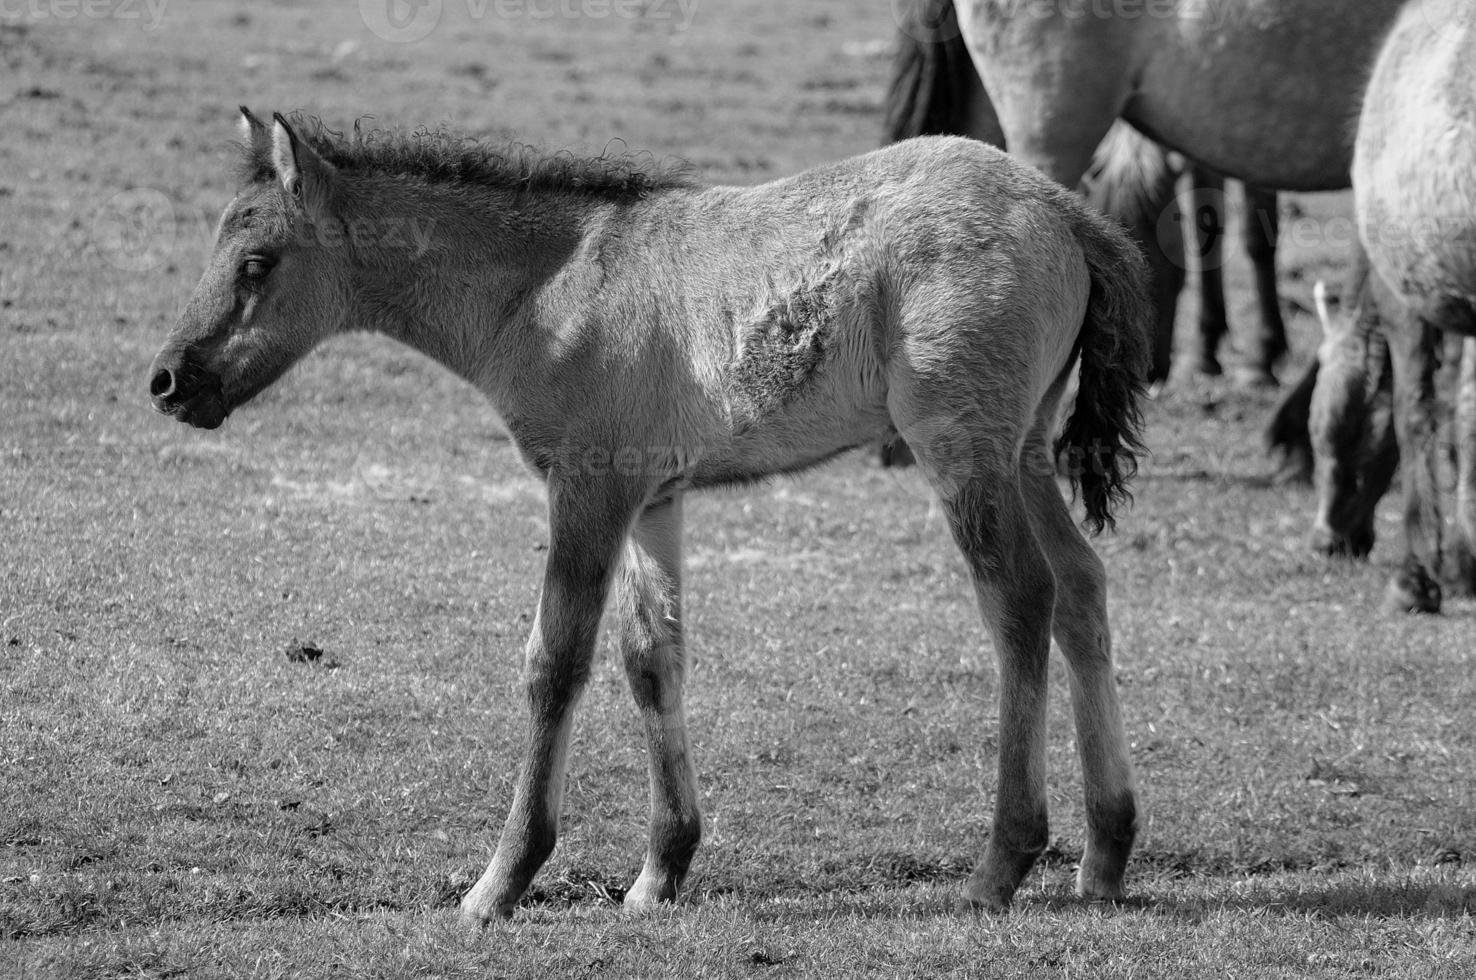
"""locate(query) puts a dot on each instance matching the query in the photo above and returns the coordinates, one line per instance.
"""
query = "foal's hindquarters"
(956, 295)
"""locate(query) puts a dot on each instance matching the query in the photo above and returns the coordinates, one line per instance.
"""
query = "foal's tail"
(1102, 439)
(929, 73)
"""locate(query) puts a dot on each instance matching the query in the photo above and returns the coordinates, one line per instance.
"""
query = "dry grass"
(181, 798)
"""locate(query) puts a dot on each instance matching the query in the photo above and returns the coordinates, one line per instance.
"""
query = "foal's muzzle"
(187, 392)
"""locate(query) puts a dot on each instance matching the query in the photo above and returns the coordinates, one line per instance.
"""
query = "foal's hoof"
(1412, 590)
(646, 896)
(1100, 891)
(983, 904)
(479, 909)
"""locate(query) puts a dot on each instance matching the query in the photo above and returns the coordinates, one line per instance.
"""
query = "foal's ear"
(1327, 305)
(306, 176)
(253, 130)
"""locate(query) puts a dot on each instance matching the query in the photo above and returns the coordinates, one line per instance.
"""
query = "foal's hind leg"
(1080, 626)
(648, 606)
(1015, 591)
(979, 488)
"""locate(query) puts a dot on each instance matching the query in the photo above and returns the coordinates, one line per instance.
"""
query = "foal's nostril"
(163, 384)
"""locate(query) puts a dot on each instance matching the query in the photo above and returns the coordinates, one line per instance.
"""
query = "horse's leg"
(975, 474)
(586, 532)
(1354, 450)
(1414, 587)
(1288, 431)
(1015, 591)
(1262, 225)
(1464, 553)
(1081, 630)
(648, 605)
(1209, 226)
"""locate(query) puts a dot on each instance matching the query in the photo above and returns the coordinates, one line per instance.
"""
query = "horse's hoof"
(1463, 567)
(1336, 544)
(1412, 590)
(970, 903)
(1256, 376)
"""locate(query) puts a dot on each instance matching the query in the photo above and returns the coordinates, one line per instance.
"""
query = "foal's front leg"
(648, 606)
(586, 530)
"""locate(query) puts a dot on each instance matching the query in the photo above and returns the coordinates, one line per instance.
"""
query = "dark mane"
(442, 156)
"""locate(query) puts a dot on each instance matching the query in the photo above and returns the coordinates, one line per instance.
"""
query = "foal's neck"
(461, 273)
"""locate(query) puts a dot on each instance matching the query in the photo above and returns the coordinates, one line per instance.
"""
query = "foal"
(642, 336)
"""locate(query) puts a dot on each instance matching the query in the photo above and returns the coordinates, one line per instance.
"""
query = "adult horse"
(935, 89)
(1257, 90)
(1414, 188)
(642, 337)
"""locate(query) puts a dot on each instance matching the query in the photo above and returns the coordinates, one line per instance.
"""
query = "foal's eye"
(255, 269)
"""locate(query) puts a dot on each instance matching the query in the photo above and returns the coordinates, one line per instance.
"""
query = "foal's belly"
(804, 436)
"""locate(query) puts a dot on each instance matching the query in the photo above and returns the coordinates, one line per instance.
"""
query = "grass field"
(180, 798)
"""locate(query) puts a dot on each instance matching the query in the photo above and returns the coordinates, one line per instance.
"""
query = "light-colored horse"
(642, 337)
(1414, 186)
(1258, 90)
(935, 89)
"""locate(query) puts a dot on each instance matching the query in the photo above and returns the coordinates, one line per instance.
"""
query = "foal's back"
(938, 258)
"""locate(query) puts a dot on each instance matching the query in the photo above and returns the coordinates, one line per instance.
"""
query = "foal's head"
(271, 291)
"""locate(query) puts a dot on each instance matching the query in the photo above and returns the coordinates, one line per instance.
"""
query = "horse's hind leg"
(1262, 226)
(648, 609)
(587, 528)
(1465, 434)
(1080, 627)
(976, 478)
(1414, 587)
(1209, 233)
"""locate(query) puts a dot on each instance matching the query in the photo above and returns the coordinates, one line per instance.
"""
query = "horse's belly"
(1263, 90)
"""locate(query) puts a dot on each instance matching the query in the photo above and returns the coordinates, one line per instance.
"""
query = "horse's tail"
(1129, 176)
(1102, 439)
(930, 74)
